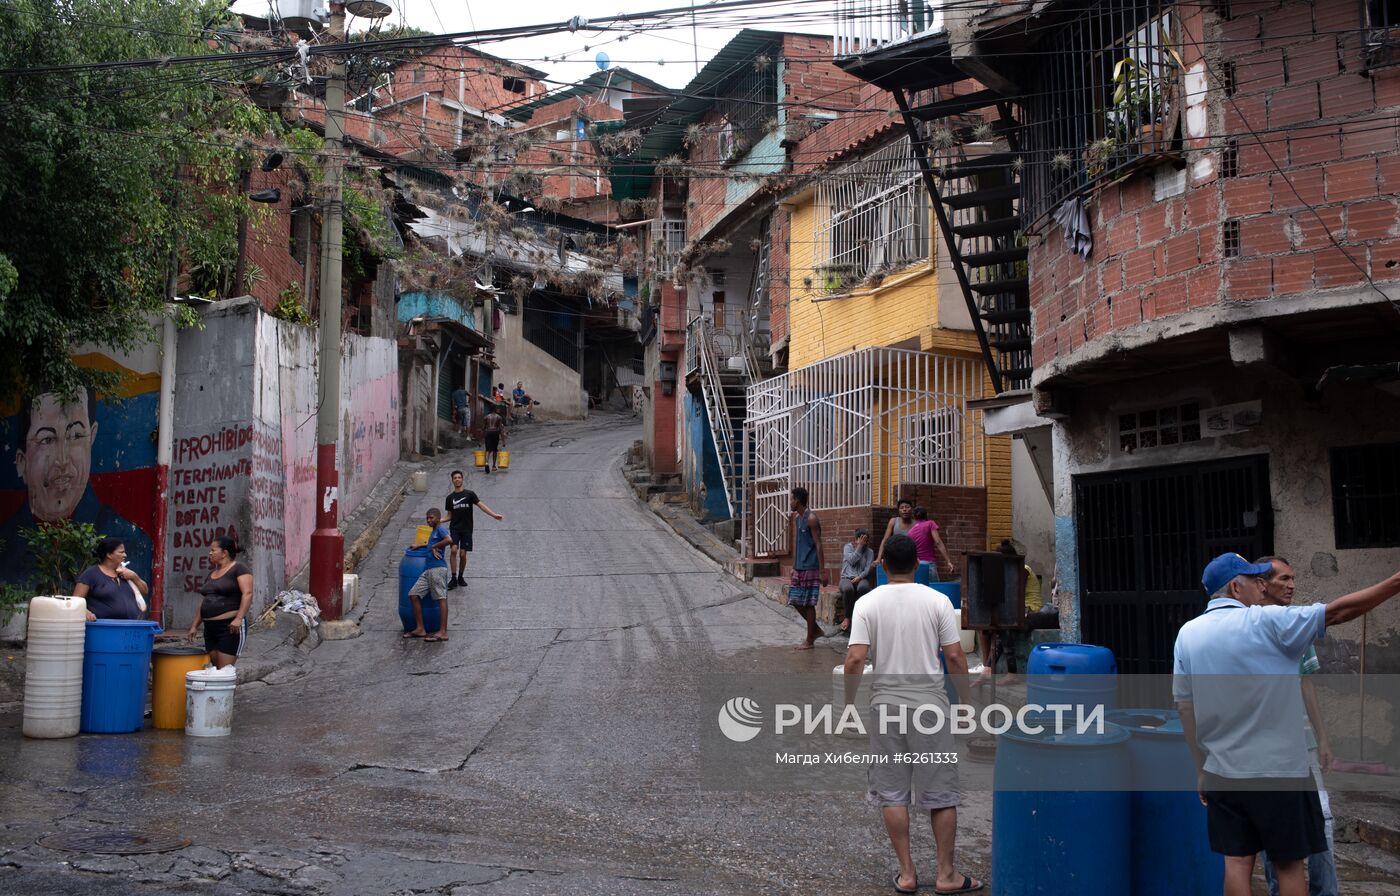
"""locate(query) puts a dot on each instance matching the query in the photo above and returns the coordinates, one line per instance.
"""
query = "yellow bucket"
(421, 537)
(168, 683)
(502, 459)
(480, 458)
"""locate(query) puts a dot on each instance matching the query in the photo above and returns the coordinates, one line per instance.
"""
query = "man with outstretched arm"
(1235, 683)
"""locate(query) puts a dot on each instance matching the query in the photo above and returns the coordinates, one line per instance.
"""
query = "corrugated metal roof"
(592, 84)
(632, 175)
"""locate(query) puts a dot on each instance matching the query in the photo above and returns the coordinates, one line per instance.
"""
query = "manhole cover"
(113, 843)
(559, 443)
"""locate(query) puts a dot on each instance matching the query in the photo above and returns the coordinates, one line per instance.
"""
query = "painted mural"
(92, 460)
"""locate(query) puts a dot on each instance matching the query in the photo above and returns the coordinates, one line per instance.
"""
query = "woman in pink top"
(927, 543)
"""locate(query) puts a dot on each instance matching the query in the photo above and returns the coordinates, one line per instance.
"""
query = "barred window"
(1108, 91)
(872, 218)
(1366, 496)
(932, 443)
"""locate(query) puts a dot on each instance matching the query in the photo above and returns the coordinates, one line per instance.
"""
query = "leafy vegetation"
(96, 169)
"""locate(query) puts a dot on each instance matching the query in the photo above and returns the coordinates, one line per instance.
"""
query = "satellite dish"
(602, 60)
(368, 9)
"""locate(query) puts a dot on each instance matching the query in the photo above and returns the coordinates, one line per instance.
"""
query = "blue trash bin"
(1072, 674)
(116, 673)
(414, 561)
(1171, 848)
(1073, 839)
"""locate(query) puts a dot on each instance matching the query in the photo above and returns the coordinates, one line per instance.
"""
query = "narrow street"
(550, 746)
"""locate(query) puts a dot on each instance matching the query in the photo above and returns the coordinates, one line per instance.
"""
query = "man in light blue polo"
(1236, 684)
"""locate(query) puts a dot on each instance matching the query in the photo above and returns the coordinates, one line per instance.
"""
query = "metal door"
(1144, 537)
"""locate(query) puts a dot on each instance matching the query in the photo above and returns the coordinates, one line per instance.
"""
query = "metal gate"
(1144, 537)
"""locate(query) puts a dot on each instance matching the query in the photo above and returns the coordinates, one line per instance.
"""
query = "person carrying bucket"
(433, 581)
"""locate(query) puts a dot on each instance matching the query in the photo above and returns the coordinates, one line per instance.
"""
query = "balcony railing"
(866, 25)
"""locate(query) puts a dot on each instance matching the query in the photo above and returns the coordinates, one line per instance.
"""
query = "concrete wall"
(245, 443)
(1295, 433)
(1032, 514)
(555, 385)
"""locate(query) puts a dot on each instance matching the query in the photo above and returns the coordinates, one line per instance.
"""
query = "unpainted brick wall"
(1314, 197)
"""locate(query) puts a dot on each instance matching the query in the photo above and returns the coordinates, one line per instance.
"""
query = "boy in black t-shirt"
(459, 504)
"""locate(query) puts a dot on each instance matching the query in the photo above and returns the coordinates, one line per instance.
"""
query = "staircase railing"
(712, 389)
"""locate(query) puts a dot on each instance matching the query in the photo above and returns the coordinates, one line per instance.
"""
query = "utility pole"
(327, 542)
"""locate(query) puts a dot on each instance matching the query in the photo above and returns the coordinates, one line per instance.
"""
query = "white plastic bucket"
(209, 701)
(838, 696)
(53, 677)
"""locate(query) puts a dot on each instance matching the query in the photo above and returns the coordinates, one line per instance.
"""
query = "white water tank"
(53, 677)
(305, 17)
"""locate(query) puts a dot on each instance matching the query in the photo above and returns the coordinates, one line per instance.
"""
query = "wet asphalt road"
(549, 747)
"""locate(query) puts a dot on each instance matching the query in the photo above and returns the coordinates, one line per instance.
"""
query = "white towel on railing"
(1072, 217)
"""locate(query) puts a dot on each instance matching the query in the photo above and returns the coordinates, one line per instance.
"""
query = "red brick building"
(1206, 194)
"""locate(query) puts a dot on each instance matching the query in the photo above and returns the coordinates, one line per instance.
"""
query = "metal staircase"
(971, 168)
(725, 392)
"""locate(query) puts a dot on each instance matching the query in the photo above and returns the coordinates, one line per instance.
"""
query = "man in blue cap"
(1236, 684)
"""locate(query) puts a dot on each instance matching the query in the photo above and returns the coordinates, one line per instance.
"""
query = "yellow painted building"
(918, 306)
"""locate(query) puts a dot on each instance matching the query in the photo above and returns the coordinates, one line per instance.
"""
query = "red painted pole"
(327, 542)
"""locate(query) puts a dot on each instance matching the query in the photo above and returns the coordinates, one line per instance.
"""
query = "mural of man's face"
(56, 456)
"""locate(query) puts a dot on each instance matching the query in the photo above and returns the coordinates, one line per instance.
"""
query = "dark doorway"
(1144, 536)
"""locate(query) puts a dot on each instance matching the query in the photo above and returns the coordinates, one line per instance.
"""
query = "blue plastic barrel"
(414, 561)
(1072, 674)
(1171, 849)
(926, 573)
(116, 670)
(1074, 839)
(951, 590)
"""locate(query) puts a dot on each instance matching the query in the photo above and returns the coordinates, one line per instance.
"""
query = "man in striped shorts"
(808, 571)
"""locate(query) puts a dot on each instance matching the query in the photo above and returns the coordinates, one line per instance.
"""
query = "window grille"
(1366, 496)
(1105, 94)
(934, 444)
(670, 245)
(748, 102)
(873, 217)
(1230, 239)
(1230, 159)
(1159, 427)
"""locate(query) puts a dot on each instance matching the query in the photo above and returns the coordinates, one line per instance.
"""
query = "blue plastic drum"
(1072, 675)
(925, 574)
(116, 670)
(1074, 839)
(1171, 850)
(414, 561)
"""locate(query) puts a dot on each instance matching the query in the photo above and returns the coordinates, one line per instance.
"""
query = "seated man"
(518, 393)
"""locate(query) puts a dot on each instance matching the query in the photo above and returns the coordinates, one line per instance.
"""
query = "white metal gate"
(853, 428)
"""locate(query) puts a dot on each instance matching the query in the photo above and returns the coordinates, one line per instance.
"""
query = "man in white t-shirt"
(901, 628)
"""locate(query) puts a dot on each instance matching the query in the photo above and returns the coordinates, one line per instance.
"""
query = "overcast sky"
(665, 56)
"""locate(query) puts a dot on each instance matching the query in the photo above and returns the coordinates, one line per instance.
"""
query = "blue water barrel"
(116, 669)
(1072, 674)
(926, 573)
(1171, 849)
(1074, 839)
(951, 590)
(414, 561)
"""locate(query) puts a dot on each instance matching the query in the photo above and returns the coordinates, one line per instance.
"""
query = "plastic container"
(503, 459)
(1171, 853)
(53, 668)
(1072, 674)
(1068, 840)
(169, 666)
(421, 536)
(480, 458)
(209, 702)
(951, 590)
(414, 561)
(420, 482)
(116, 669)
(924, 574)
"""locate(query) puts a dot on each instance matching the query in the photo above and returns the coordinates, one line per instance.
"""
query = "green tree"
(98, 167)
